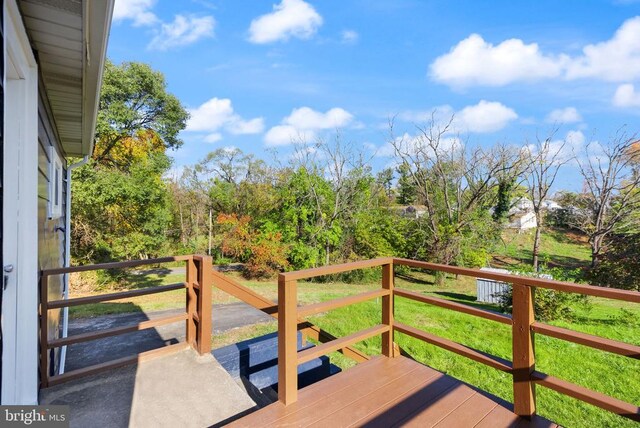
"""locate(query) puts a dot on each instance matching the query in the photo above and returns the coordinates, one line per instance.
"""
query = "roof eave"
(97, 16)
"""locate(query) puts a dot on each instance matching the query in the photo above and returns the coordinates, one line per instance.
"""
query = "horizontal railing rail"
(197, 315)
(522, 322)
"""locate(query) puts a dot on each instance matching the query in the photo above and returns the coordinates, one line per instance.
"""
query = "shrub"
(550, 304)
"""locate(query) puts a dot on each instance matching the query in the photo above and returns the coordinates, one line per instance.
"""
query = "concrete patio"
(182, 389)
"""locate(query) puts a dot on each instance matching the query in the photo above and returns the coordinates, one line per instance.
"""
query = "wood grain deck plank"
(499, 417)
(385, 392)
(377, 401)
(468, 413)
(378, 380)
(398, 407)
(428, 416)
(310, 396)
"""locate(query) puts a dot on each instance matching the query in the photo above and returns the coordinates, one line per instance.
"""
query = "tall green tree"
(134, 98)
(121, 206)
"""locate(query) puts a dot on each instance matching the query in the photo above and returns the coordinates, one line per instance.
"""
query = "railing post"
(44, 330)
(524, 393)
(191, 304)
(287, 341)
(387, 310)
(205, 281)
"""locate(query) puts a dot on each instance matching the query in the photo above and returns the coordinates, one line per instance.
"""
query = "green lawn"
(557, 248)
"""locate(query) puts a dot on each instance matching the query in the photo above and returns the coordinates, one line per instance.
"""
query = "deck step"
(256, 360)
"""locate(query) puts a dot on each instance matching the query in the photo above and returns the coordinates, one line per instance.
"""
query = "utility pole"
(210, 227)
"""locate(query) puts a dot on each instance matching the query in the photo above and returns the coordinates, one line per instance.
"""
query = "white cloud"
(217, 114)
(307, 118)
(474, 61)
(486, 116)
(184, 30)
(213, 138)
(139, 11)
(350, 37)
(283, 135)
(290, 18)
(626, 96)
(304, 122)
(252, 126)
(617, 59)
(564, 115)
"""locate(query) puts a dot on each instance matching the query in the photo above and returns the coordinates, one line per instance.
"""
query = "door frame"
(19, 321)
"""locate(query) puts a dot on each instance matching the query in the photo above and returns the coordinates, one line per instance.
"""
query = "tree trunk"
(596, 246)
(536, 242)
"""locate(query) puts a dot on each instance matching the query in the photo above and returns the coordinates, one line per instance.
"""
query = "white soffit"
(70, 40)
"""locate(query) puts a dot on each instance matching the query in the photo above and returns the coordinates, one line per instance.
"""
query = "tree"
(611, 190)
(121, 204)
(118, 215)
(546, 159)
(619, 266)
(133, 99)
(385, 179)
(457, 185)
(406, 188)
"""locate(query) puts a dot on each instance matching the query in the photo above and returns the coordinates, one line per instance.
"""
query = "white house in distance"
(52, 60)
(521, 215)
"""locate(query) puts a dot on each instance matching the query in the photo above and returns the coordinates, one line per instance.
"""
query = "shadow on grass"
(413, 279)
(526, 256)
(130, 279)
(104, 308)
(468, 300)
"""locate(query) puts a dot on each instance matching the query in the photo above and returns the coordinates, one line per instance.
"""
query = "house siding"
(51, 236)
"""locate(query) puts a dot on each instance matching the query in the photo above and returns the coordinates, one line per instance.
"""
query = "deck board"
(386, 392)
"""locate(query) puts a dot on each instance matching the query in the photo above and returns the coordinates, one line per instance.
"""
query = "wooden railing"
(522, 320)
(197, 315)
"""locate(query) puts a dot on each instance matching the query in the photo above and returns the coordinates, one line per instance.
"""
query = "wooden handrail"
(115, 265)
(57, 304)
(316, 308)
(449, 345)
(288, 321)
(100, 334)
(596, 342)
(329, 347)
(595, 398)
(120, 362)
(198, 307)
(333, 269)
(568, 287)
(522, 322)
(458, 307)
(269, 307)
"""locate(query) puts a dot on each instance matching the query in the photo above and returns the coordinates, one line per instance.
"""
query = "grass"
(610, 374)
(558, 248)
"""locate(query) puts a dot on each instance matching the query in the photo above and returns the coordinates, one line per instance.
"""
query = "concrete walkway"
(224, 318)
(179, 390)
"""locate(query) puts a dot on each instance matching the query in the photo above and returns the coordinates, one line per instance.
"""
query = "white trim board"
(20, 216)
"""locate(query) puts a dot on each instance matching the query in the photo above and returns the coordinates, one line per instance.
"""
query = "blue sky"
(259, 74)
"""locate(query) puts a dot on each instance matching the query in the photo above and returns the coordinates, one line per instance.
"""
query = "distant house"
(550, 205)
(520, 205)
(522, 221)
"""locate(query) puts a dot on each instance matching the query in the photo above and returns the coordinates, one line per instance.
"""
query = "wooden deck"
(385, 392)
